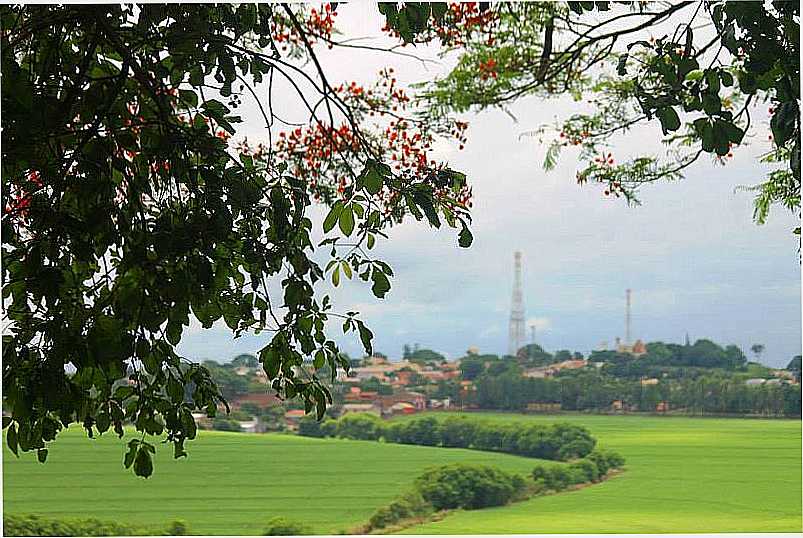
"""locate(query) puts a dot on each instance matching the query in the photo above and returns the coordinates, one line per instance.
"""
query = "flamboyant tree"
(702, 70)
(128, 208)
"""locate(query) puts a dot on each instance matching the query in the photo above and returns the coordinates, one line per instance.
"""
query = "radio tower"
(517, 335)
(627, 318)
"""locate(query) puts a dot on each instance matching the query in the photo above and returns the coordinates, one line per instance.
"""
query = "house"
(356, 394)
(662, 407)
(403, 377)
(569, 365)
(541, 407)
(259, 399)
(402, 408)
(360, 408)
(537, 373)
(650, 381)
(416, 399)
(251, 426)
(435, 403)
(433, 375)
(292, 417)
(755, 381)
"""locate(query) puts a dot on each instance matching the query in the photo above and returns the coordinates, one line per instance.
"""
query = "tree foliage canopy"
(127, 211)
(699, 70)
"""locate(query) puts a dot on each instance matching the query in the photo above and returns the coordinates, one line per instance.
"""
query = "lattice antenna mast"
(627, 318)
(517, 334)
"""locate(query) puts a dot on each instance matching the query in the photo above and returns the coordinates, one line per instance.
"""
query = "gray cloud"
(691, 253)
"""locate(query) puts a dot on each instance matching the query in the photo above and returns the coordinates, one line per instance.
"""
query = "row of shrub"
(33, 525)
(592, 468)
(479, 486)
(553, 442)
(456, 485)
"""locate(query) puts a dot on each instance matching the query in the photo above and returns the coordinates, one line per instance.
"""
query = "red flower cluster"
(21, 199)
(488, 69)
(317, 24)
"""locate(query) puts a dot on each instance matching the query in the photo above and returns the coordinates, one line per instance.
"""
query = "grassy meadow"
(682, 475)
(231, 483)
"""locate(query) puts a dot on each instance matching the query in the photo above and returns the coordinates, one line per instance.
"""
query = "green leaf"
(331, 219)
(336, 276)
(783, 122)
(6, 422)
(143, 463)
(104, 421)
(366, 336)
(465, 238)
(319, 360)
(11, 439)
(346, 220)
(346, 269)
(670, 121)
(132, 453)
(189, 97)
(41, 455)
(175, 390)
(381, 283)
(373, 180)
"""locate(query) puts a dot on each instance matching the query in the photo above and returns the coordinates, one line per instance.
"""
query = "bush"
(405, 507)
(32, 525)
(468, 486)
(225, 425)
(281, 526)
(239, 414)
(575, 449)
(329, 428)
(571, 441)
(606, 460)
(588, 469)
(615, 460)
(308, 426)
(362, 426)
(178, 527)
(458, 432)
(425, 431)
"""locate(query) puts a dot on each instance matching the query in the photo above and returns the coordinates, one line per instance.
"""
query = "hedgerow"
(553, 442)
(33, 525)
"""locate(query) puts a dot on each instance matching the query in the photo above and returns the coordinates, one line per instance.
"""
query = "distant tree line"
(699, 378)
(552, 442)
(591, 390)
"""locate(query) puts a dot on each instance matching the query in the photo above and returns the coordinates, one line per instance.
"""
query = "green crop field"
(682, 475)
(231, 483)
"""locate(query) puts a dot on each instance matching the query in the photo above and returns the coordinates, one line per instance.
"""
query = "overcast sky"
(694, 259)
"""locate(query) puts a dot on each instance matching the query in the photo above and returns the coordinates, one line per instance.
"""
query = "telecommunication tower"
(517, 334)
(627, 318)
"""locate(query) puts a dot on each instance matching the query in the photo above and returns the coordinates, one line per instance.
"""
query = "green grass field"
(231, 483)
(682, 475)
